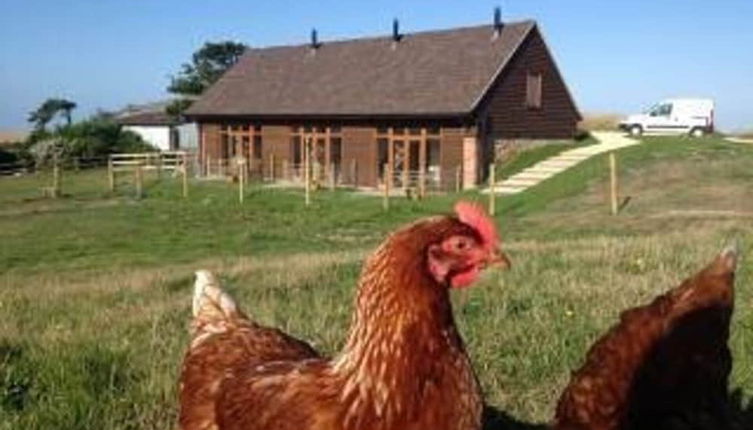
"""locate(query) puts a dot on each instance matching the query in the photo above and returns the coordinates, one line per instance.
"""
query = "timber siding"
(504, 108)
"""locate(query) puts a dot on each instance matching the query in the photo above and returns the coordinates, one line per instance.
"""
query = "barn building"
(430, 105)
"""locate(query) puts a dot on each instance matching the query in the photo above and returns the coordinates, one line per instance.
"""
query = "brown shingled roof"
(146, 118)
(431, 73)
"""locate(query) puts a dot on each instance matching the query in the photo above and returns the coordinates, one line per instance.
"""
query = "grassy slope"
(95, 289)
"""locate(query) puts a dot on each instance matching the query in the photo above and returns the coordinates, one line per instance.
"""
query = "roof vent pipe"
(497, 22)
(314, 39)
(396, 36)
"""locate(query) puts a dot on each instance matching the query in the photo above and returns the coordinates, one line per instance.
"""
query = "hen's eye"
(460, 244)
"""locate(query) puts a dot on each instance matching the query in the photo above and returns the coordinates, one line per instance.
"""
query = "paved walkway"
(608, 141)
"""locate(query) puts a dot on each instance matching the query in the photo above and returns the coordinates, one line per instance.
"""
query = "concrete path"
(608, 141)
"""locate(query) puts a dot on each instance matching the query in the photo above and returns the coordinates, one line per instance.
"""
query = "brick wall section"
(504, 107)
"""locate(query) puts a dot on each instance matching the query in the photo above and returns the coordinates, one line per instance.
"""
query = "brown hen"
(404, 366)
(664, 365)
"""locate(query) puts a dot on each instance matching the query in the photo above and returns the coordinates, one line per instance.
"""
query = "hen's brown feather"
(664, 364)
(404, 366)
(224, 339)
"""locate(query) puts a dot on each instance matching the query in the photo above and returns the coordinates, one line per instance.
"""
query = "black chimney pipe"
(498, 21)
(396, 36)
(314, 39)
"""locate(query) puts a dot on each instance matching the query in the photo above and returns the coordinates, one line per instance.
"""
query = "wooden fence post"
(209, 165)
(492, 193)
(272, 167)
(241, 178)
(387, 186)
(307, 172)
(185, 175)
(139, 186)
(285, 171)
(111, 175)
(159, 165)
(331, 176)
(421, 182)
(613, 182)
(55, 179)
(354, 172)
(458, 174)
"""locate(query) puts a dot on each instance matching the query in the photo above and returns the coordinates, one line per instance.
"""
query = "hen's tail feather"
(730, 255)
(209, 297)
(213, 309)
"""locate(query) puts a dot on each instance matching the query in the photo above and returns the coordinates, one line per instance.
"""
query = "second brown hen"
(664, 365)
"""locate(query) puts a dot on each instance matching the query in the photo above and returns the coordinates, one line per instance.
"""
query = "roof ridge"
(388, 36)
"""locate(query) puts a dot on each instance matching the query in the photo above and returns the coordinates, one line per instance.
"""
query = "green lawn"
(95, 288)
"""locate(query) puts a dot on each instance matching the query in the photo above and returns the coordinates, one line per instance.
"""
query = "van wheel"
(636, 130)
(697, 132)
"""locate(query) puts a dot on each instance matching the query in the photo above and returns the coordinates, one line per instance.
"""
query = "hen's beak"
(498, 259)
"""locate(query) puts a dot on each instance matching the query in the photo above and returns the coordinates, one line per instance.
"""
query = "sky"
(616, 55)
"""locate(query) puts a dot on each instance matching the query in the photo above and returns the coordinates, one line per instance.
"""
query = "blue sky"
(616, 56)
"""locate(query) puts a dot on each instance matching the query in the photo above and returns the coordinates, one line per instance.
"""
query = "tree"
(48, 110)
(206, 67)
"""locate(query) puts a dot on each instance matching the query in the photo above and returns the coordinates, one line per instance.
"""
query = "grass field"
(95, 288)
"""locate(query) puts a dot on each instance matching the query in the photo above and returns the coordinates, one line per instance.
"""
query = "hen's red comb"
(476, 217)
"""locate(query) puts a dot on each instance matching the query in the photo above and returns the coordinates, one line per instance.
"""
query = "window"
(257, 147)
(415, 154)
(533, 91)
(662, 110)
(383, 130)
(245, 145)
(295, 142)
(257, 128)
(335, 150)
(432, 152)
(383, 154)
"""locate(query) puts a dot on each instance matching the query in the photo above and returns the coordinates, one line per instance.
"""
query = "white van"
(673, 116)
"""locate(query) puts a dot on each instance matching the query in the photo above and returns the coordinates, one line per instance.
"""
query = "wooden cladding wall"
(505, 109)
(451, 157)
(359, 156)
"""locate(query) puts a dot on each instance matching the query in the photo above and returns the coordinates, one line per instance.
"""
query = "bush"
(95, 137)
(7, 156)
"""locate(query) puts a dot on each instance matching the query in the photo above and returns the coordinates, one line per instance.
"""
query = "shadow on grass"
(496, 419)
(737, 415)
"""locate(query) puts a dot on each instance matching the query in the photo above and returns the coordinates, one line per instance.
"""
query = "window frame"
(534, 95)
